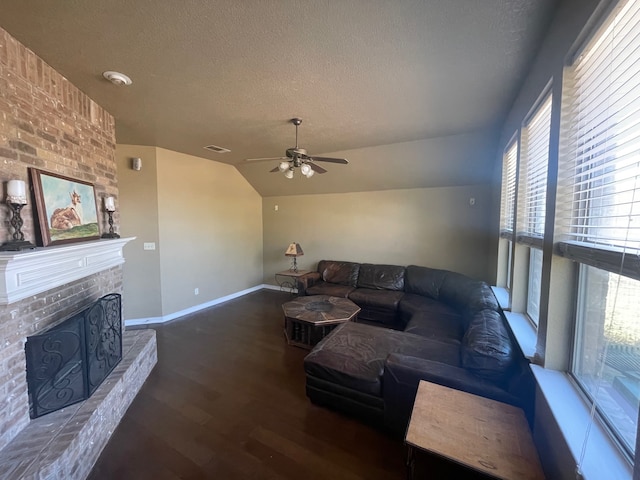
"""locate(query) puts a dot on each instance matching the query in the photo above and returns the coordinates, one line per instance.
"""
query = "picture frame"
(66, 209)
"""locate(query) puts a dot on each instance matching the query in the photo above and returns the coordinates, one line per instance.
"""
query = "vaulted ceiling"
(361, 73)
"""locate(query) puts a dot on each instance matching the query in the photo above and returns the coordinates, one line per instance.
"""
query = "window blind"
(534, 161)
(508, 196)
(598, 206)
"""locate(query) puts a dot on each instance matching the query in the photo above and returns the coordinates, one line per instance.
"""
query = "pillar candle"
(16, 188)
(109, 204)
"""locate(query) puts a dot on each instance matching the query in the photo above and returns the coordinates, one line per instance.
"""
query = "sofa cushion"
(331, 289)
(487, 349)
(381, 277)
(379, 316)
(482, 299)
(342, 273)
(445, 327)
(467, 294)
(424, 281)
(384, 299)
(412, 304)
(354, 354)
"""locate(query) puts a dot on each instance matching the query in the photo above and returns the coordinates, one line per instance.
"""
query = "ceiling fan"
(298, 157)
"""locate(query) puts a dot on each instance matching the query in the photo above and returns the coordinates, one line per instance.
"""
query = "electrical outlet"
(196, 291)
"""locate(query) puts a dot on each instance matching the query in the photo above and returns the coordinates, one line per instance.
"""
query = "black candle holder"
(18, 242)
(111, 233)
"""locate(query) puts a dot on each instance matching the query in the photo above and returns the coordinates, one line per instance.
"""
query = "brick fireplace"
(47, 123)
(67, 442)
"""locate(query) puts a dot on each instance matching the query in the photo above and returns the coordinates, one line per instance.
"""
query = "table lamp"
(294, 250)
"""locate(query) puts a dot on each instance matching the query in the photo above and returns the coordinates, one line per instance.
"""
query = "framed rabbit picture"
(66, 208)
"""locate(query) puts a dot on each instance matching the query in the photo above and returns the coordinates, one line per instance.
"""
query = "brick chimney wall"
(47, 123)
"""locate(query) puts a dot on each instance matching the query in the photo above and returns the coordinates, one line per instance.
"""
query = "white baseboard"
(172, 316)
(268, 286)
(271, 287)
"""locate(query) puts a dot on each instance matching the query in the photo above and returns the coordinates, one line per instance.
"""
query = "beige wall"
(138, 208)
(210, 225)
(435, 227)
(206, 222)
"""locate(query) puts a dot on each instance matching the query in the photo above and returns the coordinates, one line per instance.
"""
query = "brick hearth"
(67, 443)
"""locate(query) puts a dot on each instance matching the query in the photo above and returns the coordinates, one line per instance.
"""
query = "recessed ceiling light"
(117, 78)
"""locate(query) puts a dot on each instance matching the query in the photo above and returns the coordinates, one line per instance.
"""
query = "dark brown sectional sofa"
(416, 323)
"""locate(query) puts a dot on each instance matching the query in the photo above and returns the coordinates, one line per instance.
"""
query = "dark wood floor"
(226, 400)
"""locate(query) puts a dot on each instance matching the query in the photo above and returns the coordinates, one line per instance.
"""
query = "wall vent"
(215, 148)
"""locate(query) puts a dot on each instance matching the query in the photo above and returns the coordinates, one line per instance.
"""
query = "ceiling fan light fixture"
(305, 169)
(297, 157)
(283, 167)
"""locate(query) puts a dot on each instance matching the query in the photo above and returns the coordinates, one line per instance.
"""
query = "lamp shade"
(294, 250)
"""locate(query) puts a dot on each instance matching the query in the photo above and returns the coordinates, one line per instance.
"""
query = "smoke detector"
(117, 78)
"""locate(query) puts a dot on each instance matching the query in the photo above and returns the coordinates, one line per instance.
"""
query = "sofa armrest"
(402, 373)
(307, 280)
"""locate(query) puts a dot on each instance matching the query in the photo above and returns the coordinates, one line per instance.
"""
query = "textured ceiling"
(361, 73)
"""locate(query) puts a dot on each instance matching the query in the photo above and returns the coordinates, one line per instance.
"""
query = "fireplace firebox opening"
(68, 361)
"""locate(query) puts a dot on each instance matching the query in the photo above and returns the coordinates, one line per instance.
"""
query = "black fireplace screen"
(68, 361)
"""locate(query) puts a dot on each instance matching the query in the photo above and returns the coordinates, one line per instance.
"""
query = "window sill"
(602, 458)
(522, 329)
(525, 333)
(502, 295)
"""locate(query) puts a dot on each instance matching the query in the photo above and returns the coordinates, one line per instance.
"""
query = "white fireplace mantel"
(31, 272)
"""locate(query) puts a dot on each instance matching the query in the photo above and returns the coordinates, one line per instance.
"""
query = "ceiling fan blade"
(265, 159)
(274, 170)
(330, 160)
(316, 168)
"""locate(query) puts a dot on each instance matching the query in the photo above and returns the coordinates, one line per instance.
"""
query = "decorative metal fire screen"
(68, 361)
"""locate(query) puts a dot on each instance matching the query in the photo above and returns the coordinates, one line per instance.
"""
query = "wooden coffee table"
(483, 435)
(307, 320)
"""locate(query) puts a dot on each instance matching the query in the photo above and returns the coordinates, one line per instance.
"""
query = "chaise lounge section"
(418, 323)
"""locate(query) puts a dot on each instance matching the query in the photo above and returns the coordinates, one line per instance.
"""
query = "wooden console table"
(483, 435)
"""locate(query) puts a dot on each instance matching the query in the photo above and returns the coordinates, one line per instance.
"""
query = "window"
(508, 200)
(508, 205)
(532, 189)
(598, 216)
(607, 353)
(534, 286)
